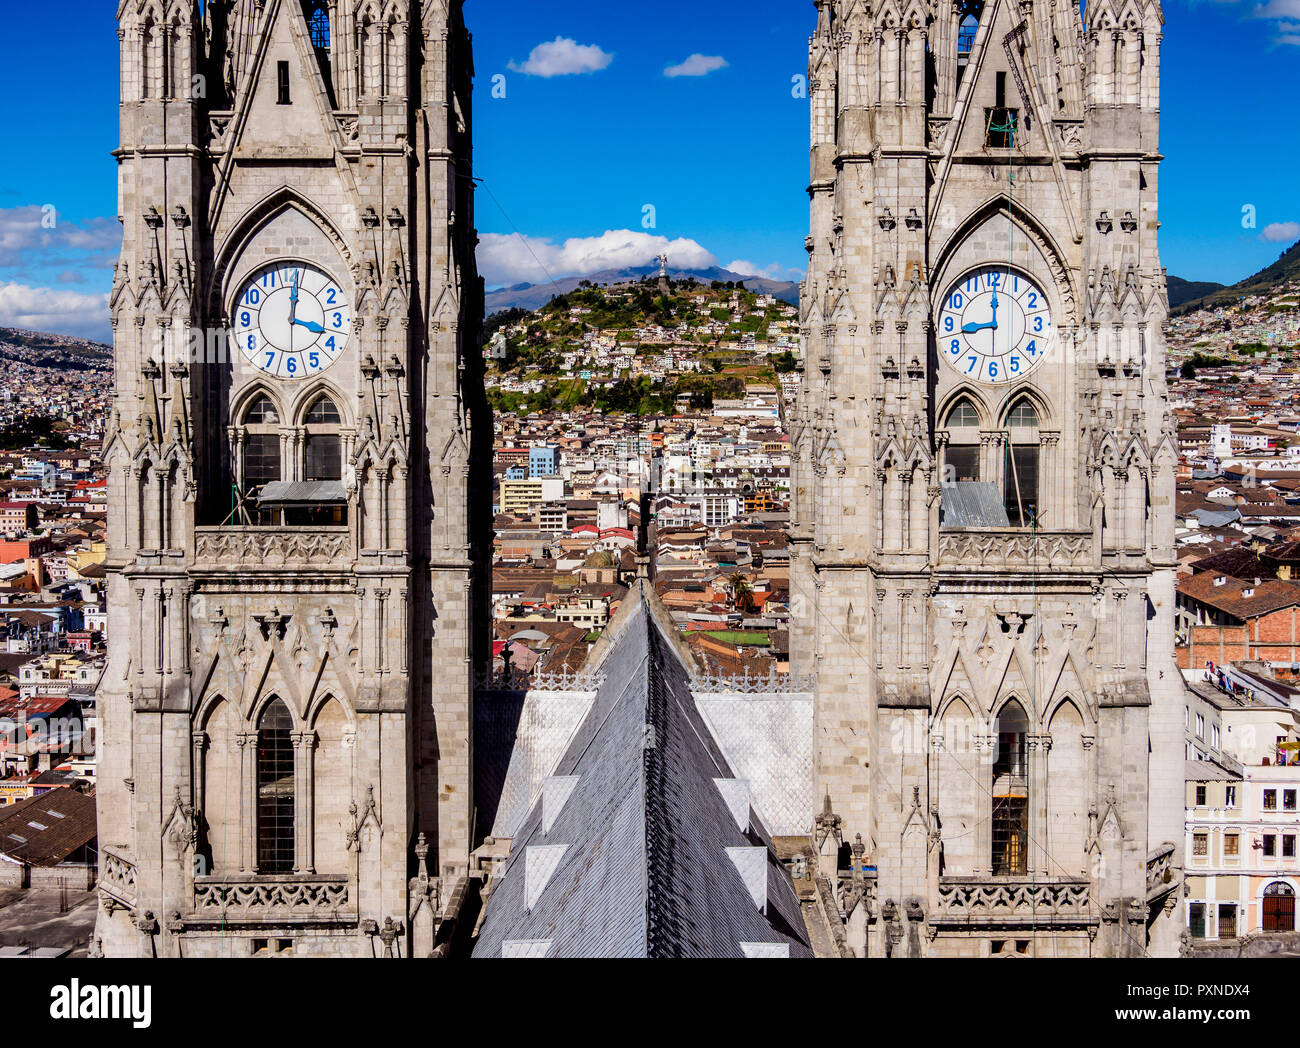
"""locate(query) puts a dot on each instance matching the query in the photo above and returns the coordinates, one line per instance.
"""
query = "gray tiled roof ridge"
(647, 871)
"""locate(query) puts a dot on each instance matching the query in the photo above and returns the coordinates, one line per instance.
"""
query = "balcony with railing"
(1014, 550)
(1162, 876)
(277, 899)
(117, 880)
(1023, 901)
(251, 548)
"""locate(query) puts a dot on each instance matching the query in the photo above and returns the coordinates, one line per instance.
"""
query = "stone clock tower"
(983, 537)
(285, 721)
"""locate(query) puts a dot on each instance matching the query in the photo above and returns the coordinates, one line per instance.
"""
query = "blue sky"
(592, 130)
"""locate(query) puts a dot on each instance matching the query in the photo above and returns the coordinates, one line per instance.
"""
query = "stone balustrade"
(1161, 875)
(317, 548)
(1015, 550)
(117, 879)
(272, 899)
(999, 900)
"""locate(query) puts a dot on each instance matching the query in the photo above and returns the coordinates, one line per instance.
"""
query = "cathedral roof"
(642, 843)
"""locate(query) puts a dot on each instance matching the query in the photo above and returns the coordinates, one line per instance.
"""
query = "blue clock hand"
(970, 329)
(310, 326)
(293, 308)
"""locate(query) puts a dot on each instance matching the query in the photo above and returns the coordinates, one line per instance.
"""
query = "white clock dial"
(291, 320)
(994, 325)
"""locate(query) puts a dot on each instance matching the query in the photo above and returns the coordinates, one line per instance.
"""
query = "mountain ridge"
(535, 296)
(1285, 270)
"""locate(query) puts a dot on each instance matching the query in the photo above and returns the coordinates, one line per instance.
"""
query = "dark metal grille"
(261, 459)
(1010, 836)
(324, 457)
(1227, 921)
(275, 852)
(963, 463)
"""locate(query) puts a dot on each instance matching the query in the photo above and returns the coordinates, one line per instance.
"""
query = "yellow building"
(80, 559)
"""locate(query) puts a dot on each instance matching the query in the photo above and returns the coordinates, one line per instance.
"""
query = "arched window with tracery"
(324, 448)
(1021, 465)
(1010, 831)
(324, 504)
(317, 13)
(275, 790)
(962, 455)
(259, 455)
(968, 28)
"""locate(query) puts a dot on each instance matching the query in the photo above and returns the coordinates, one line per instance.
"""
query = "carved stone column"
(304, 815)
(247, 742)
(198, 746)
(1040, 747)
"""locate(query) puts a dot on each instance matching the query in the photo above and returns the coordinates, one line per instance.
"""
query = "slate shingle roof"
(646, 870)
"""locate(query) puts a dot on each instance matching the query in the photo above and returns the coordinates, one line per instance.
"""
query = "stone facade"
(337, 634)
(998, 740)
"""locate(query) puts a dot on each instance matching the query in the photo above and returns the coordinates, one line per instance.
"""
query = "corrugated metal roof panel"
(303, 491)
(972, 504)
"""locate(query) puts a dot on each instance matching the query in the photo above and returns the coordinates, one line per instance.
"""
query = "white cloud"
(697, 65)
(31, 231)
(64, 312)
(1281, 232)
(1277, 9)
(563, 57)
(508, 260)
(775, 271)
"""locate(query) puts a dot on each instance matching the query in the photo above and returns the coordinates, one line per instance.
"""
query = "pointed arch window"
(1021, 465)
(261, 413)
(967, 30)
(323, 412)
(317, 13)
(1010, 837)
(318, 20)
(324, 449)
(322, 465)
(962, 455)
(275, 790)
(968, 27)
(261, 453)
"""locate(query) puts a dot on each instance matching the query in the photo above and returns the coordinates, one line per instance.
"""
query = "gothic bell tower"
(295, 531)
(984, 460)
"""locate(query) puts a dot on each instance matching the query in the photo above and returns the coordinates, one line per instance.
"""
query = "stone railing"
(272, 899)
(772, 683)
(1161, 875)
(517, 680)
(324, 548)
(978, 900)
(118, 879)
(1015, 550)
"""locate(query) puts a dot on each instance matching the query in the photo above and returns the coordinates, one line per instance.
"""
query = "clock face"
(994, 325)
(291, 321)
